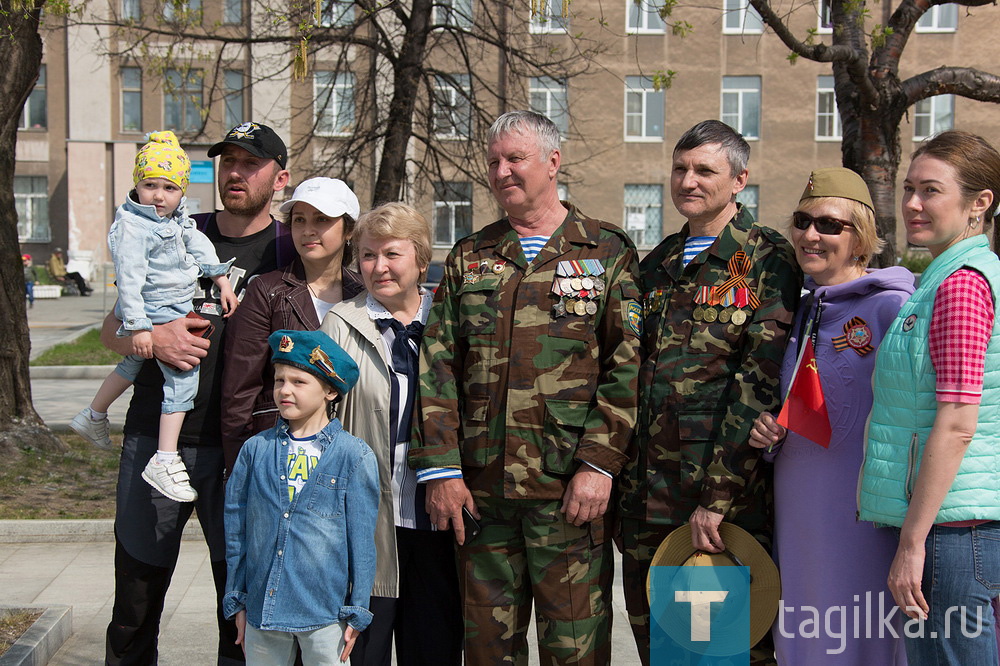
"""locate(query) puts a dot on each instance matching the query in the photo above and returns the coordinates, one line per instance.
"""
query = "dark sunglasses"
(828, 226)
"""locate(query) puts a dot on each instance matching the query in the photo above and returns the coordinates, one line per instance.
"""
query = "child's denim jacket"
(310, 562)
(157, 262)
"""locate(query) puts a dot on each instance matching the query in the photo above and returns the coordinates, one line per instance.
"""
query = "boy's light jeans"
(320, 647)
(179, 387)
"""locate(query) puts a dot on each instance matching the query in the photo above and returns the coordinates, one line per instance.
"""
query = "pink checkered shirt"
(961, 325)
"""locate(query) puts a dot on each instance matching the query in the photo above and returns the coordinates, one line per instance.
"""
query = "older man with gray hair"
(527, 402)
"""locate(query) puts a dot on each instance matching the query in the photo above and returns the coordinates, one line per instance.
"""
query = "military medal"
(498, 266)
(711, 315)
(739, 317)
(576, 283)
(698, 314)
(560, 309)
(580, 308)
(598, 284)
(587, 282)
(725, 316)
(566, 285)
(591, 308)
(570, 305)
(470, 277)
(857, 336)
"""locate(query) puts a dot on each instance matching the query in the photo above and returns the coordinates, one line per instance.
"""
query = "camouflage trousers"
(527, 551)
(639, 541)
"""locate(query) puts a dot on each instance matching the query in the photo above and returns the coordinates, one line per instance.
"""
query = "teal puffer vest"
(905, 405)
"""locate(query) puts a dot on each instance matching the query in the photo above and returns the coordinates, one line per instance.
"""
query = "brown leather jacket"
(273, 301)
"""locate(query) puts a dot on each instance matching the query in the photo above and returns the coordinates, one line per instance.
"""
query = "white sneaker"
(96, 432)
(171, 479)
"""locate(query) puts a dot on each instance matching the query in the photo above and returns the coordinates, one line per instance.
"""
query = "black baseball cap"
(256, 139)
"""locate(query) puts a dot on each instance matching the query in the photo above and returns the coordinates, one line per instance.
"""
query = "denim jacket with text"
(308, 562)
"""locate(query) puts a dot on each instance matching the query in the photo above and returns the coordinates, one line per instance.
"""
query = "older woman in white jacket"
(416, 594)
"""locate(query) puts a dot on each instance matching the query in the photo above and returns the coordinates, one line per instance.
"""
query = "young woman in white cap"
(321, 216)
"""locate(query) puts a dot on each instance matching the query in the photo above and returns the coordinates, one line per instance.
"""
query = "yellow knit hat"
(162, 157)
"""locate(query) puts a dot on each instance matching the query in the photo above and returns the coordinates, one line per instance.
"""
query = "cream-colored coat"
(365, 413)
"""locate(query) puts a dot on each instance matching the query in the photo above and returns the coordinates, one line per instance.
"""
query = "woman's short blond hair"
(398, 220)
(863, 219)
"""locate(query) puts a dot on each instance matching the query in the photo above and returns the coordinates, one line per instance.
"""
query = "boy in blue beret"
(300, 515)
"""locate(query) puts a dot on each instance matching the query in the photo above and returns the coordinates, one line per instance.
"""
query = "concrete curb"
(70, 371)
(43, 639)
(73, 531)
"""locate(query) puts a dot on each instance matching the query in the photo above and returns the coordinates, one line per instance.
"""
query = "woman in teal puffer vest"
(932, 461)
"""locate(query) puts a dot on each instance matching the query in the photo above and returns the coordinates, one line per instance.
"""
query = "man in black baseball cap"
(259, 140)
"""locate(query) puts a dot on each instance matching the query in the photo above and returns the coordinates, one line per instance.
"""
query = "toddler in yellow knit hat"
(159, 254)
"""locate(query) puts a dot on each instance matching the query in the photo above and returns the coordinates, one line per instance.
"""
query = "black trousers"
(427, 617)
(148, 529)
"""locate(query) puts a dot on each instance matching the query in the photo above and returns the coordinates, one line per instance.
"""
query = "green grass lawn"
(85, 350)
(77, 484)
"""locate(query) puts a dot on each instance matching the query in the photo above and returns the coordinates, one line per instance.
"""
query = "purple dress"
(827, 558)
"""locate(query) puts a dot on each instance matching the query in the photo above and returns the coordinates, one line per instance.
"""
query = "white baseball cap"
(329, 196)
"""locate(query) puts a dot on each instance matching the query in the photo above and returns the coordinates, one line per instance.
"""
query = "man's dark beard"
(255, 201)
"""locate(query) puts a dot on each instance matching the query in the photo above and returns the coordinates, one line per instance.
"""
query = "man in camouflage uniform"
(714, 338)
(528, 399)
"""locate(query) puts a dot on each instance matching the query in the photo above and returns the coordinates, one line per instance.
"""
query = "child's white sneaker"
(171, 479)
(97, 432)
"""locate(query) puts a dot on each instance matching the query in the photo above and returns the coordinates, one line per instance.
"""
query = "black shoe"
(86, 292)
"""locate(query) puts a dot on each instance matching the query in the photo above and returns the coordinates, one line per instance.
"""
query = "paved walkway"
(81, 574)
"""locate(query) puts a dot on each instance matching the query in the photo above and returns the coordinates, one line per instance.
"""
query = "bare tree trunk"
(408, 69)
(21, 53)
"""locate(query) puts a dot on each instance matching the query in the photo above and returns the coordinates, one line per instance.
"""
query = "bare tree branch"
(962, 81)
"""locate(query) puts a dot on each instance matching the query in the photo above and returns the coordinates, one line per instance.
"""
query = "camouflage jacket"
(706, 377)
(514, 392)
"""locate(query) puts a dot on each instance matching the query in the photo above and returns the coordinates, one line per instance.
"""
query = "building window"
(35, 112)
(182, 99)
(933, 115)
(177, 10)
(741, 104)
(131, 10)
(232, 11)
(740, 18)
(548, 17)
(131, 81)
(939, 18)
(337, 14)
(31, 200)
(334, 95)
(644, 109)
(827, 114)
(452, 109)
(825, 21)
(750, 198)
(456, 13)
(644, 16)
(234, 97)
(452, 212)
(644, 214)
(549, 98)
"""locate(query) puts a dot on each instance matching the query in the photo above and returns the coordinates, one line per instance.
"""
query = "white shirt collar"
(377, 311)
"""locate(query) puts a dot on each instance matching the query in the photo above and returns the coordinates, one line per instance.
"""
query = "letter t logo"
(701, 610)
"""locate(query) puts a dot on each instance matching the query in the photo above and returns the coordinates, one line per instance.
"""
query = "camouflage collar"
(576, 229)
(734, 236)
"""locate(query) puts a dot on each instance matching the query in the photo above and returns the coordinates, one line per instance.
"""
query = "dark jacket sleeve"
(247, 357)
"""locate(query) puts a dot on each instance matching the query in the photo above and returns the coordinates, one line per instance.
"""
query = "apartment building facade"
(90, 109)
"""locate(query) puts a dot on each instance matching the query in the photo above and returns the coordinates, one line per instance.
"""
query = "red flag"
(804, 411)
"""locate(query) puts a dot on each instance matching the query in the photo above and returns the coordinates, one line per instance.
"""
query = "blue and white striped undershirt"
(695, 245)
(532, 245)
